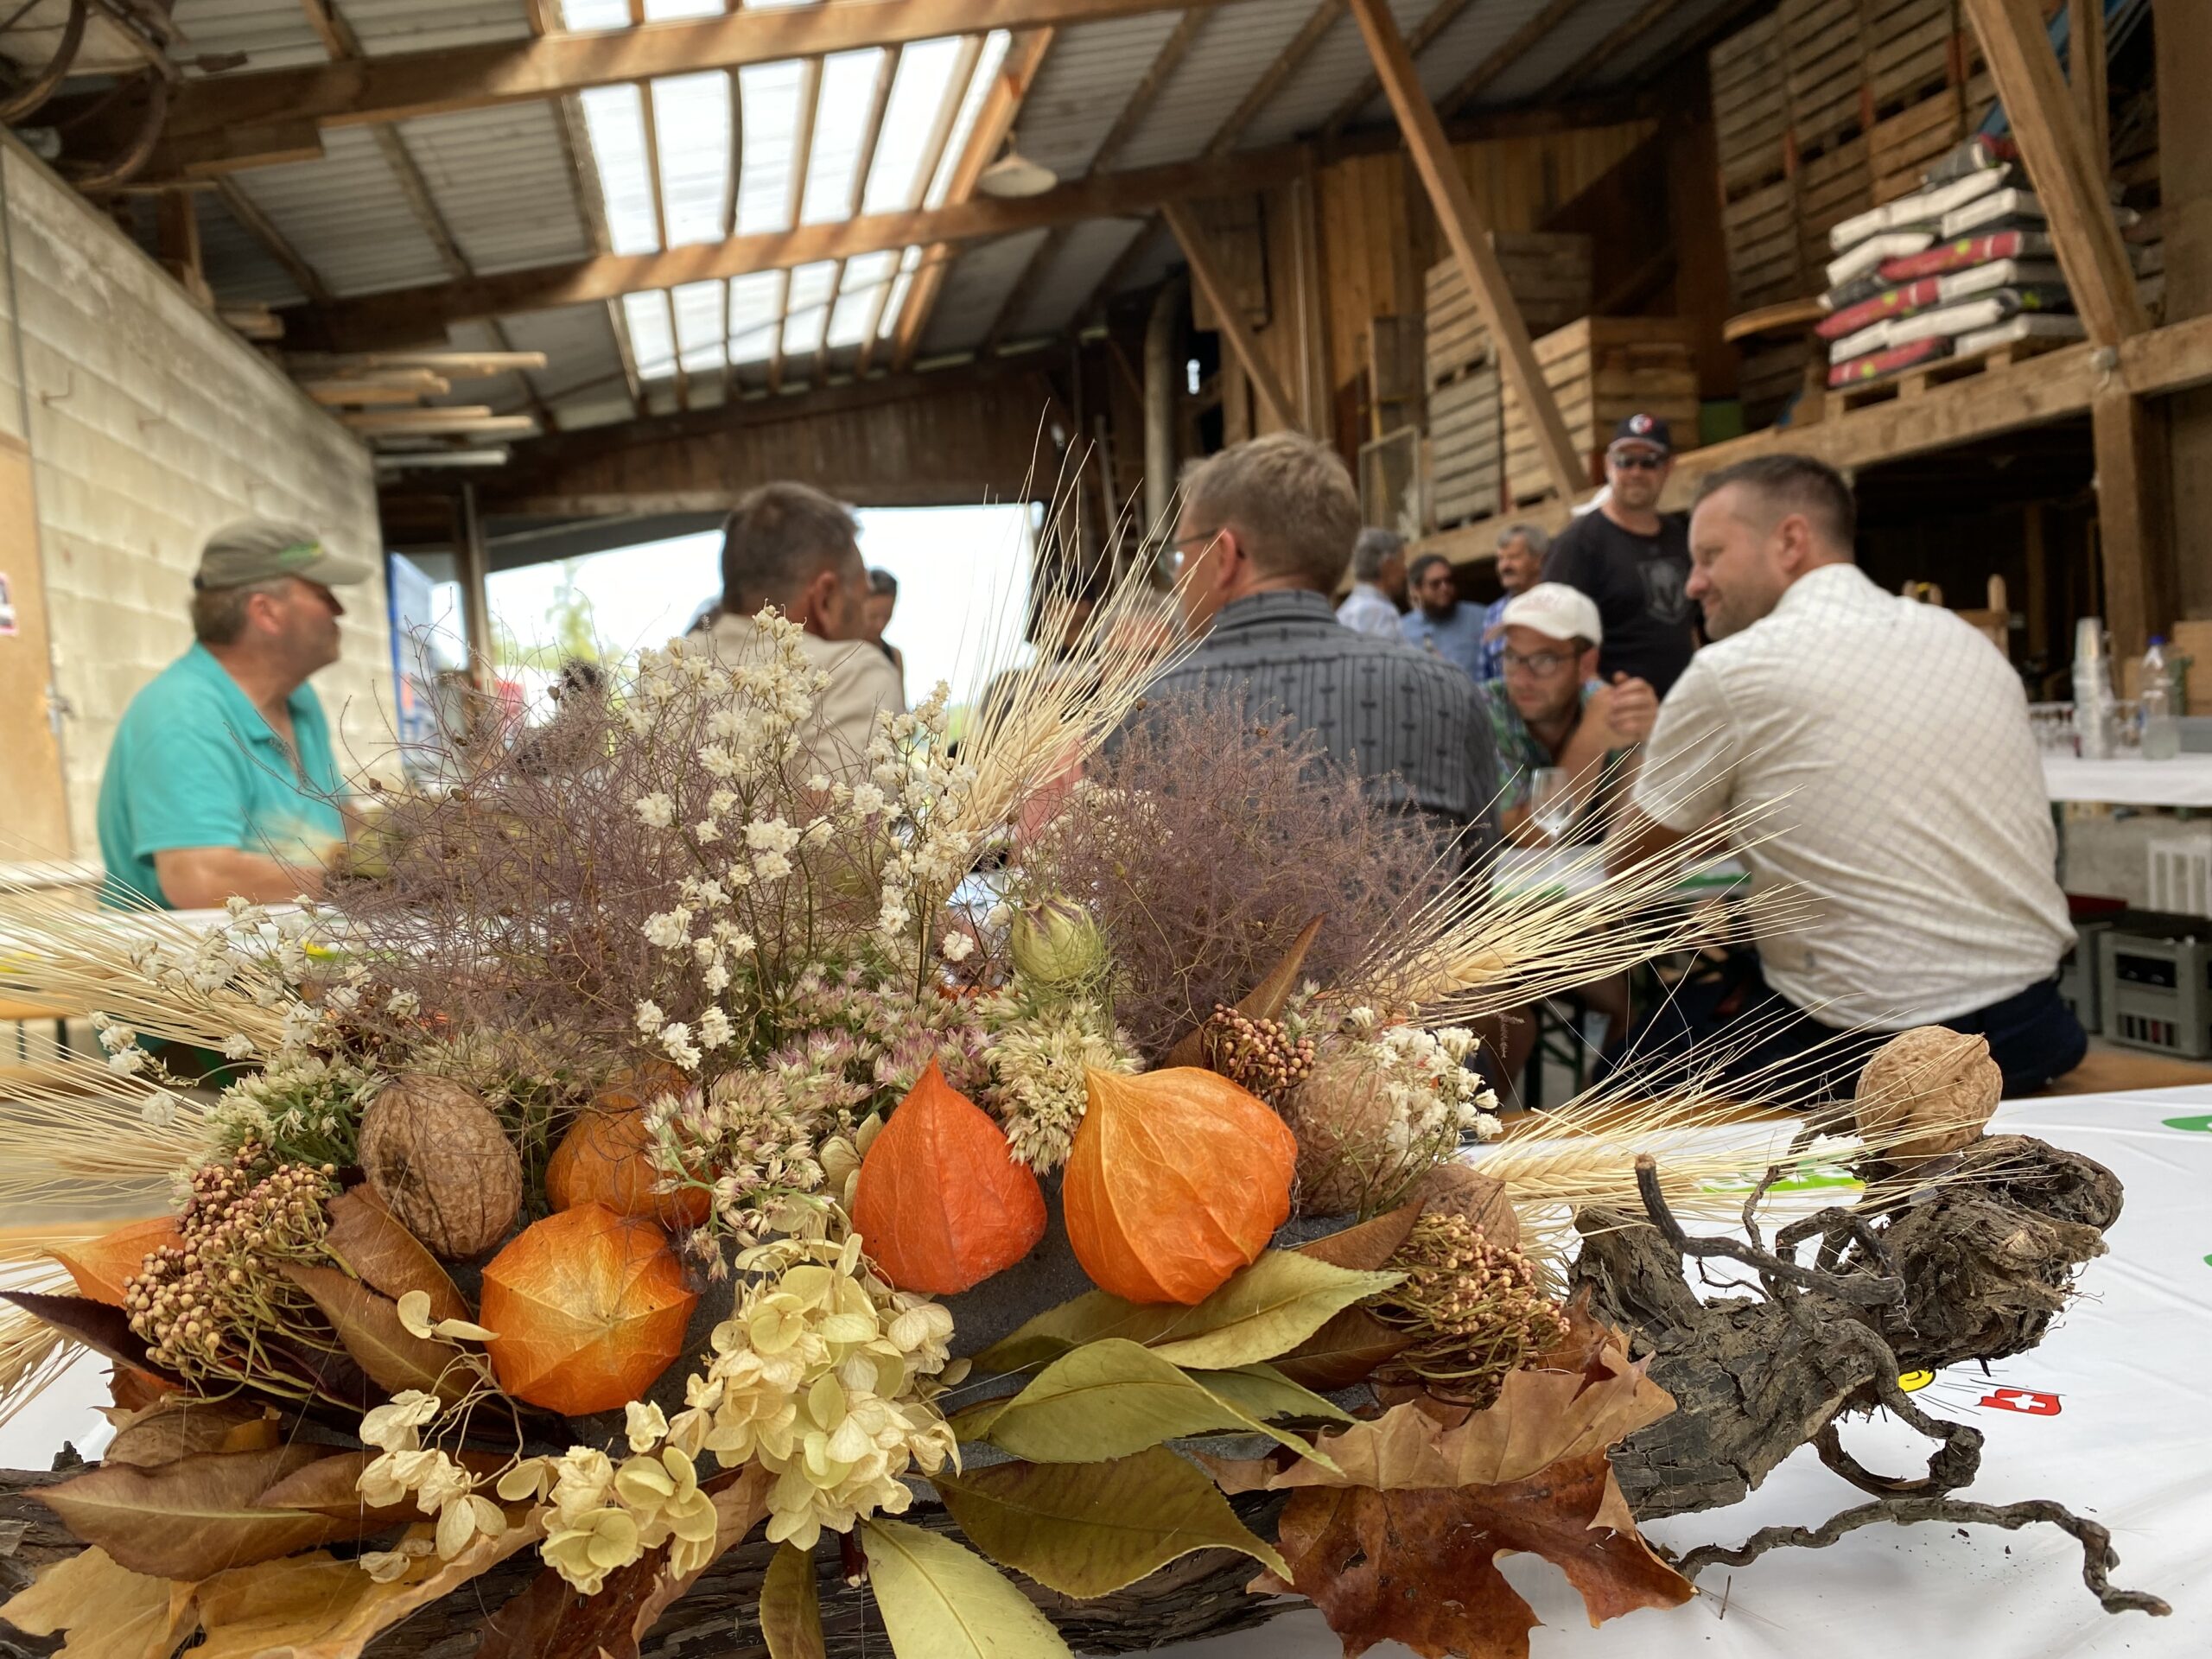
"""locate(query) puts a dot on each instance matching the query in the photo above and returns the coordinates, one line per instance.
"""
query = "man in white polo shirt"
(1884, 747)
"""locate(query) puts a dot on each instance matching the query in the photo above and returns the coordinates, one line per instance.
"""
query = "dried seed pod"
(438, 1158)
(1932, 1088)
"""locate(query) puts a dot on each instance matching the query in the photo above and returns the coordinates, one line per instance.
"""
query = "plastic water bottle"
(2093, 698)
(2161, 732)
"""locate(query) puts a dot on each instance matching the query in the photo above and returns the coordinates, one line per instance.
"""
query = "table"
(2132, 1445)
(2185, 780)
(1522, 870)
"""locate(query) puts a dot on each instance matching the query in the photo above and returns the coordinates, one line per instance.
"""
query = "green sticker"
(2200, 1125)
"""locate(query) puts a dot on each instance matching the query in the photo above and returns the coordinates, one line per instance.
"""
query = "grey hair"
(777, 538)
(1539, 543)
(218, 614)
(1375, 544)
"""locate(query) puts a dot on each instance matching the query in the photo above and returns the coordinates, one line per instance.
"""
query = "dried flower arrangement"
(607, 1156)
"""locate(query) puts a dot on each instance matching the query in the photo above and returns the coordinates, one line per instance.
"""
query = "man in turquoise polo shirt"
(221, 780)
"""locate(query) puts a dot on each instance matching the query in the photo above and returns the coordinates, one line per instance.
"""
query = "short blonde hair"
(1290, 501)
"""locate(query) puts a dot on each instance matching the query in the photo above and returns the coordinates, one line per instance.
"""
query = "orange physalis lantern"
(604, 1159)
(1176, 1179)
(942, 1204)
(101, 1265)
(590, 1306)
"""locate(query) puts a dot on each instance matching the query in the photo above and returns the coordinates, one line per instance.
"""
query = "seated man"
(1265, 532)
(794, 548)
(1550, 709)
(221, 780)
(1378, 582)
(1886, 750)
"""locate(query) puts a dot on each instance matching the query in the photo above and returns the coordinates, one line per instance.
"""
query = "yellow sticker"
(1913, 1382)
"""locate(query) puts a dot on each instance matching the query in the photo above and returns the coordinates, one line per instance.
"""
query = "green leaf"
(790, 1607)
(941, 1601)
(1263, 1391)
(1111, 1399)
(1264, 1309)
(1087, 1529)
(394, 1356)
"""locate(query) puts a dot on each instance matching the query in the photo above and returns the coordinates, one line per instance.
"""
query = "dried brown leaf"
(182, 1426)
(394, 1358)
(194, 1517)
(790, 1607)
(1343, 1352)
(1264, 1001)
(1421, 1568)
(384, 1254)
(1369, 1246)
(329, 1486)
(109, 1611)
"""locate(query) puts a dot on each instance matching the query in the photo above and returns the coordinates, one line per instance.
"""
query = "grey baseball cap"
(260, 550)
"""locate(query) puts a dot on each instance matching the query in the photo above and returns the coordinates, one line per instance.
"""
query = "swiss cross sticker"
(2028, 1401)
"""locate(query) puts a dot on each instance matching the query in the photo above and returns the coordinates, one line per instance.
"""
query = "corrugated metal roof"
(1230, 52)
(500, 180)
(1467, 41)
(272, 34)
(1086, 254)
(1578, 33)
(346, 216)
(980, 281)
(235, 264)
(1660, 43)
(385, 25)
(1336, 64)
(1087, 78)
(582, 379)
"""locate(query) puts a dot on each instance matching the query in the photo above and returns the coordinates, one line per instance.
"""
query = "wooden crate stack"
(1602, 370)
(1549, 277)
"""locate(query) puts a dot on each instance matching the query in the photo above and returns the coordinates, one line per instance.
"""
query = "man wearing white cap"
(1550, 709)
(221, 780)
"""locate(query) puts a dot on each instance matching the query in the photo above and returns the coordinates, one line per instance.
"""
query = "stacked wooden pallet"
(1549, 277)
(1602, 370)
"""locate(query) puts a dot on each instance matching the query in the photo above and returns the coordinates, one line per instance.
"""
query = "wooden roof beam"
(1440, 18)
(1025, 56)
(1229, 316)
(221, 122)
(1515, 46)
(1464, 232)
(1272, 79)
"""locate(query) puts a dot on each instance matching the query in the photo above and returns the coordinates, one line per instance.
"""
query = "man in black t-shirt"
(1634, 561)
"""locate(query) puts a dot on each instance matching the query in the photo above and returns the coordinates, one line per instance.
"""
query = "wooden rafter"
(1464, 231)
(1134, 110)
(887, 71)
(253, 118)
(411, 314)
(729, 219)
(1287, 62)
(1511, 51)
(2068, 181)
(1229, 315)
(1631, 28)
(648, 117)
(1441, 18)
(809, 104)
(932, 157)
(1025, 56)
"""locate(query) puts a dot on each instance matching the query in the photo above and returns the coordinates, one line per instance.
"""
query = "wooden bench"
(2113, 1072)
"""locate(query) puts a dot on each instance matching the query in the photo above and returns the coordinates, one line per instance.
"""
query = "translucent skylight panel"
(700, 339)
(807, 313)
(614, 120)
(987, 70)
(865, 276)
(917, 92)
(651, 340)
(693, 116)
(596, 14)
(769, 94)
(899, 285)
(752, 318)
(656, 11)
(848, 88)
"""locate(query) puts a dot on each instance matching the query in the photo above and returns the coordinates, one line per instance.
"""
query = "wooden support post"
(474, 568)
(2085, 76)
(177, 233)
(2070, 182)
(1466, 234)
(2183, 39)
(1309, 312)
(2134, 518)
(1206, 276)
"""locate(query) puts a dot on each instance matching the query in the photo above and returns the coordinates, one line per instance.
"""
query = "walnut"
(441, 1163)
(1932, 1088)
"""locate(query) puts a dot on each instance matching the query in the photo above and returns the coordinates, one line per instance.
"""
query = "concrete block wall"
(150, 424)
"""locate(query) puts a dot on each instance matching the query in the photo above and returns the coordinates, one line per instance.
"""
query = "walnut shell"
(438, 1158)
(1932, 1087)
(1455, 1189)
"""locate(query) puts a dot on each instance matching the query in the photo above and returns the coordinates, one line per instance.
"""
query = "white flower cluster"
(911, 783)
(819, 1374)
(1435, 1095)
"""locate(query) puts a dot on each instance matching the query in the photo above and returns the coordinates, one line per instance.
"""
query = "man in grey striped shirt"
(1266, 529)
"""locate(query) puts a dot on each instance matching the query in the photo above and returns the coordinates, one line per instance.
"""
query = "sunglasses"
(1637, 460)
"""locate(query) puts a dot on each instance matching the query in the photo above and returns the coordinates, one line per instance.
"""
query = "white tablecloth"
(2131, 1445)
(1582, 869)
(2185, 780)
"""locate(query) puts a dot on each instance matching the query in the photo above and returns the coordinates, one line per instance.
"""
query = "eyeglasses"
(1182, 544)
(1636, 461)
(1542, 662)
